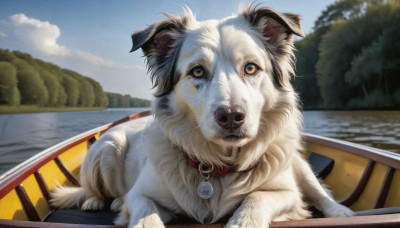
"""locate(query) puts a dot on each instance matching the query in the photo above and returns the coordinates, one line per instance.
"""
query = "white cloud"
(39, 34)
(39, 38)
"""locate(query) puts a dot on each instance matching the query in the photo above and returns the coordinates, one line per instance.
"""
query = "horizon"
(94, 39)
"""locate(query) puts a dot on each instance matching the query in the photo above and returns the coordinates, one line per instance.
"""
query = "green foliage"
(28, 81)
(345, 10)
(396, 96)
(350, 44)
(354, 55)
(377, 67)
(62, 95)
(333, 62)
(116, 100)
(53, 86)
(104, 100)
(112, 100)
(339, 10)
(307, 58)
(86, 95)
(20, 64)
(31, 87)
(71, 88)
(100, 99)
(373, 100)
(9, 93)
(6, 55)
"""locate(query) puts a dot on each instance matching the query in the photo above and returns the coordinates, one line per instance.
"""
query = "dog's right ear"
(160, 43)
(158, 37)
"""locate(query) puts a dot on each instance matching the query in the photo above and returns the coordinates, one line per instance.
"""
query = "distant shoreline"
(36, 109)
(22, 109)
(4, 109)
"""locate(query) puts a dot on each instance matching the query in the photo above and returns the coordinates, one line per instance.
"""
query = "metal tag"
(205, 190)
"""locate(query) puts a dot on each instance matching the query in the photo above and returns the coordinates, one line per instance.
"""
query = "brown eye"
(197, 72)
(250, 69)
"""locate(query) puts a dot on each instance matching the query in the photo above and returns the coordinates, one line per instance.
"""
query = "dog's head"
(220, 75)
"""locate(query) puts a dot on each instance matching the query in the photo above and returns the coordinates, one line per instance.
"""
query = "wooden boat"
(363, 178)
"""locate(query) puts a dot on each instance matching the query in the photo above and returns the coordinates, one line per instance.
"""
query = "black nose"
(230, 118)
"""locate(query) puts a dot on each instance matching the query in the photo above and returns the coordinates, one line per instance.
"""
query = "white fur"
(144, 158)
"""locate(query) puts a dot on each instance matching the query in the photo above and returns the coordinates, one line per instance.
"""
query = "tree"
(45, 84)
(375, 71)
(21, 64)
(112, 100)
(62, 95)
(86, 94)
(343, 10)
(51, 75)
(86, 97)
(307, 57)
(9, 93)
(31, 87)
(99, 96)
(53, 86)
(71, 88)
(125, 101)
(116, 100)
(308, 49)
(6, 55)
(333, 62)
(136, 102)
(104, 100)
(342, 47)
(26, 57)
(333, 55)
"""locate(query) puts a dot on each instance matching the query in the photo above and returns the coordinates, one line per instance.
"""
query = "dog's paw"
(150, 221)
(138, 221)
(338, 210)
(116, 204)
(93, 204)
(123, 216)
(245, 224)
(119, 221)
(246, 220)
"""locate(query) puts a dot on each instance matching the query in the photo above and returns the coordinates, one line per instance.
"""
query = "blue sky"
(92, 37)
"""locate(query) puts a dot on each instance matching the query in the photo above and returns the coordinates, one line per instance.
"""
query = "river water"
(23, 135)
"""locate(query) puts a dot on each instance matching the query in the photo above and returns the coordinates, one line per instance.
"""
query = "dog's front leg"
(260, 208)
(140, 208)
(318, 196)
(142, 212)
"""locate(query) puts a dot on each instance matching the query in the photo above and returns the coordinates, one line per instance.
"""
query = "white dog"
(227, 132)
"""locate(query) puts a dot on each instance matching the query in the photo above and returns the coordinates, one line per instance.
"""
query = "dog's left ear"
(273, 25)
(277, 30)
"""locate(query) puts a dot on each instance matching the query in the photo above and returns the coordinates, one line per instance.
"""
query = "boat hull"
(362, 178)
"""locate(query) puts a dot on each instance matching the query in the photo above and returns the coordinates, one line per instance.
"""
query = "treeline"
(352, 58)
(116, 100)
(25, 80)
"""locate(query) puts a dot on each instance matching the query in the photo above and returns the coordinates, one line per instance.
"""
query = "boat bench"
(107, 217)
(77, 216)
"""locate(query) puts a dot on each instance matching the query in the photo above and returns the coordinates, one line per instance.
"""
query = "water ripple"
(379, 129)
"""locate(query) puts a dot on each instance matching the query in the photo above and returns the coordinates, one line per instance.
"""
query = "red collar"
(217, 171)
